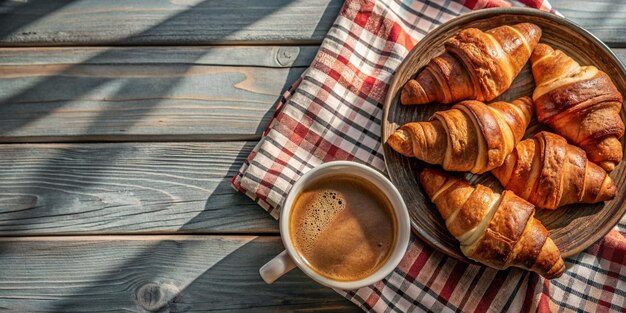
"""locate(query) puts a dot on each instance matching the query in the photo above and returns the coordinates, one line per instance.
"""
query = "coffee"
(343, 227)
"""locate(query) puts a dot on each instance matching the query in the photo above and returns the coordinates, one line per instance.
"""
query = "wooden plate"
(573, 228)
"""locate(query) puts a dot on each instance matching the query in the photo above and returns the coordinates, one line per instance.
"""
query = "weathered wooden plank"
(133, 102)
(603, 18)
(258, 56)
(180, 22)
(183, 22)
(125, 188)
(123, 93)
(152, 273)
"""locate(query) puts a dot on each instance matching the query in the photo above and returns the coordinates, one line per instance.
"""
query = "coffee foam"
(322, 211)
(342, 227)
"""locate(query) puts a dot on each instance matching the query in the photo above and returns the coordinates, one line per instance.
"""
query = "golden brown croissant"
(497, 230)
(472, 136)
(476, 65)
(550, 173)
(580, 103)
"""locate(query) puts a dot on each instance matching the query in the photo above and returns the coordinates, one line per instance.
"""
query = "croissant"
(498, 230)
(476, 65)
(471, 136)
(550, 173)
(580, 103)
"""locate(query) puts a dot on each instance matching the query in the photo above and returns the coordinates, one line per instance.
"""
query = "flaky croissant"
(476, 65)
(549, 173)
(498, 230)
(581, 103)
(471, 136)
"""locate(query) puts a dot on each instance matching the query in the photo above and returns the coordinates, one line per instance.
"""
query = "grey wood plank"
(126, 188)
(183, 22)
(258, 56)
(603, 18)
(153, 273)
(138, 101)
(179, 22)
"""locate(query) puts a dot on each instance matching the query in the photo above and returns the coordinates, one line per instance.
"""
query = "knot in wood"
(153, 297)
(285, 56)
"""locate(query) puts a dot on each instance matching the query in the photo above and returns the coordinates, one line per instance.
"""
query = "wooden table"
(121, 124)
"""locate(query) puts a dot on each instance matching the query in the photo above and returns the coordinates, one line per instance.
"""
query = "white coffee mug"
(290, 258)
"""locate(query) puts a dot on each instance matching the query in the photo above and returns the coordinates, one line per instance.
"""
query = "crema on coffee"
(343, 227)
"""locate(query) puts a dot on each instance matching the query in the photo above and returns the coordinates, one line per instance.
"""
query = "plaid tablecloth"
(334, 112)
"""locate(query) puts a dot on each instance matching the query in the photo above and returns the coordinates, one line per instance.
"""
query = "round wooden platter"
(573, 228)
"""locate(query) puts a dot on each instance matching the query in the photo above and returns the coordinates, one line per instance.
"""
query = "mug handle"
(277, 267)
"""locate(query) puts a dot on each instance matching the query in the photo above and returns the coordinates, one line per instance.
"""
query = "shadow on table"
(226, 199)
(329, 16)
(240, 268)
(55, 88)
(230, 284)
(29, 12)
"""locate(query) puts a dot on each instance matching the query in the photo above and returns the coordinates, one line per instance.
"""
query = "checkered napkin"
(333, 112)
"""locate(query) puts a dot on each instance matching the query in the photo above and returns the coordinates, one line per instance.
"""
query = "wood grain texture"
(124, 95)
(122, 188)
(153, 274)
(256, 56)
(565, 223)
(603, 18)
(175, 22)
(184, 22)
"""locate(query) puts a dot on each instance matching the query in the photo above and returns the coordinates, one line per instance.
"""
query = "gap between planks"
(154, 235)
(87, 139)
(134, 237)
(151, 234)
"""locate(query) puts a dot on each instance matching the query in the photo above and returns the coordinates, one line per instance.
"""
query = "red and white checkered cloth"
(334, 112)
